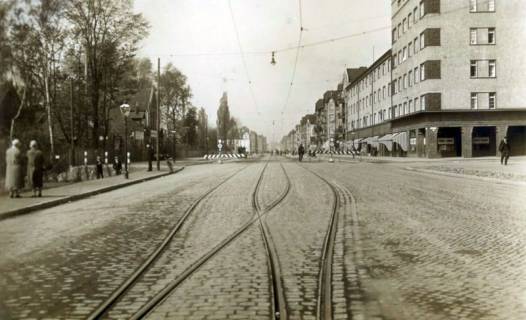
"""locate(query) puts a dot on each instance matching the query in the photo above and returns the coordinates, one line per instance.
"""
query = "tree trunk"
(18, 112)
(49, 120)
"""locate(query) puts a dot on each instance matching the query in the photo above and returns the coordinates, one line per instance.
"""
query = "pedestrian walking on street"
(117, 165)
(504, 149)
(301, 151)
(35, 168)
(14, 180)
(99, 168)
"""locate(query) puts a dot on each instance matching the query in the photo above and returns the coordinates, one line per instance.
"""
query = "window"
(416, 45)
(404, 54)
(404, 25)
(492, 100)
(481, 5)
(492, 68)
(473, 36)
(491, 5)
(409, 48)
(400, 57)
(399, 30)
(416, 75)
(474, 101)
(383, 93)
(410, 106)
(422, 9)
(422, 72)
(473, 5)
(491, 35)
(482, 36)
(473, 69)
(422, 41)
(399, 84)
(405, 81)
(416, 103)
(415, 14)
(394, 35)
(404, 110)
(410, 76)
(422, 102)
(409, 20)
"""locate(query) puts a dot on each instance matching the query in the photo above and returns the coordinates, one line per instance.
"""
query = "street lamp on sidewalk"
(125, 110)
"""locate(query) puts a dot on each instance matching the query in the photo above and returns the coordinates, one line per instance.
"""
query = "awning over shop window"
(387, 141)
(402, 140)
(373, 141)
(356, 143)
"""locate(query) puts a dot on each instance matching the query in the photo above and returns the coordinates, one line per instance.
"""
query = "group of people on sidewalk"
(99, 167)
(14, 178)
(34, 164)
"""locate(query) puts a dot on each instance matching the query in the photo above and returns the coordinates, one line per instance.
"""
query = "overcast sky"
(182, 30)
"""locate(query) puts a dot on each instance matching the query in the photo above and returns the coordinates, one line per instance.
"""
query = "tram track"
(278, 293)
(159, 297)
(121, 290)
(324, 301)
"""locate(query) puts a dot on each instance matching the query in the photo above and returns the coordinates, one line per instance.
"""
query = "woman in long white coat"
(14, 179)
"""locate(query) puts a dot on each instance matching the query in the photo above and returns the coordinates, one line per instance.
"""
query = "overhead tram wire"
(243, 59)
(285, 49)
(296, 58)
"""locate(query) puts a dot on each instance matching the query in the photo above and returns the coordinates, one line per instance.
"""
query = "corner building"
(458, 79)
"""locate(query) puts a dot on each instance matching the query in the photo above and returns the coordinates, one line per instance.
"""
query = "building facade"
(458, 81)
(368, 97)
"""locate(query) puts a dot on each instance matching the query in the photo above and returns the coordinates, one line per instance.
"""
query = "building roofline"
(376, 63)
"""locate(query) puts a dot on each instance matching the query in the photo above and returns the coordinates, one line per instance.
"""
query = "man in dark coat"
(504, 149)
(301, 152)
(14, 180)
(35, 168)
(117, 165)
(99, 168)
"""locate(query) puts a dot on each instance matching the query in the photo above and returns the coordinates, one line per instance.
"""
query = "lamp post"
(125, 110)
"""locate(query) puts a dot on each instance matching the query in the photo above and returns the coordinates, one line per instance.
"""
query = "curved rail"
(324, 303)
(278, 293)
(165, 292)
(119, 292)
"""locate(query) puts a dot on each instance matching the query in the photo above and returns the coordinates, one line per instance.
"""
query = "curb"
(53, 203)
(467, 176)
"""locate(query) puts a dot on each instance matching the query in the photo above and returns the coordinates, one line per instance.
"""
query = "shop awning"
(356, 142)
(387, 140)
(402, 139)
(373, 141)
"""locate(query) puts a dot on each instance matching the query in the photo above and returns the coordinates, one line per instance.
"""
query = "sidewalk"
(74, 191)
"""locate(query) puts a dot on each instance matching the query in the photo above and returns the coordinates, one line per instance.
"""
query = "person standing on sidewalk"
(504, 149)
(117, 165)
(35, 168)
(301, 151)
(99, 168)
(14, 181)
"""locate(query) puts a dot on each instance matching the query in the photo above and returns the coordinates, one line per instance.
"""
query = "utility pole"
(158, 112)
(72, 155)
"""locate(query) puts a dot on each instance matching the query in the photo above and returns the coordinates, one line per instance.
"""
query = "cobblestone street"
(409, 244)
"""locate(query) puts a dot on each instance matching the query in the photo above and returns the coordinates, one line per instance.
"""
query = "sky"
(199, 37)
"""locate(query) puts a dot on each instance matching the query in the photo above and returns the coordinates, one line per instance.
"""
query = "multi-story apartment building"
(458, 81)
(368, 98)
(321, 121)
